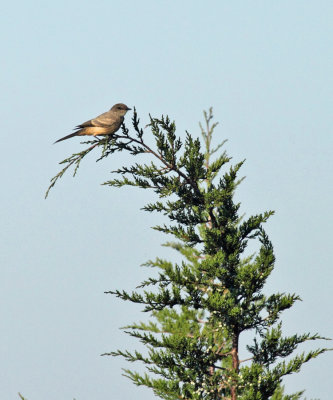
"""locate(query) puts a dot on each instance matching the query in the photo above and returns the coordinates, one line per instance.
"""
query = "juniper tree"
(201, 306)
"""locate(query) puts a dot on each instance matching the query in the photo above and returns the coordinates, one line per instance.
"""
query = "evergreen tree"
(203, 304)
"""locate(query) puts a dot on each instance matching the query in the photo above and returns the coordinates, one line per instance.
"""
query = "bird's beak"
(128, 109)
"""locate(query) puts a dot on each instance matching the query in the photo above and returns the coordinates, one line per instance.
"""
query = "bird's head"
(120, 109)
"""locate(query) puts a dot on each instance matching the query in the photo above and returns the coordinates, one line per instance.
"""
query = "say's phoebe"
(105, 124)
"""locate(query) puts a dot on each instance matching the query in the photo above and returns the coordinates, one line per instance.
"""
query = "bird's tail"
(67, 137)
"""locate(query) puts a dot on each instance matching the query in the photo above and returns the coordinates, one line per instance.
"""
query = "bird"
(105, 124)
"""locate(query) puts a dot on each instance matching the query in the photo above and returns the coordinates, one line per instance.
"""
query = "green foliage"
(200, 306)
(279, 395)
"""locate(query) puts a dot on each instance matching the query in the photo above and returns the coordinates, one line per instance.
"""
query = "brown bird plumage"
(105, 124)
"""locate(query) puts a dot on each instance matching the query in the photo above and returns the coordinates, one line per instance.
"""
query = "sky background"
(266, 68)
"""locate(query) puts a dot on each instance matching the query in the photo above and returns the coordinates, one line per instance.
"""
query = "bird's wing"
(85, 124)
(104, 119)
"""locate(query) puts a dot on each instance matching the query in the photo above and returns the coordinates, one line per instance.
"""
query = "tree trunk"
(235, 363)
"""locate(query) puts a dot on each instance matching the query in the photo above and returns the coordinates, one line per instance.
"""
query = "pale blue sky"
(265, 67)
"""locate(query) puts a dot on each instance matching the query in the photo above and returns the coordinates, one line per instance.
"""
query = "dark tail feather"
(66, 137)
